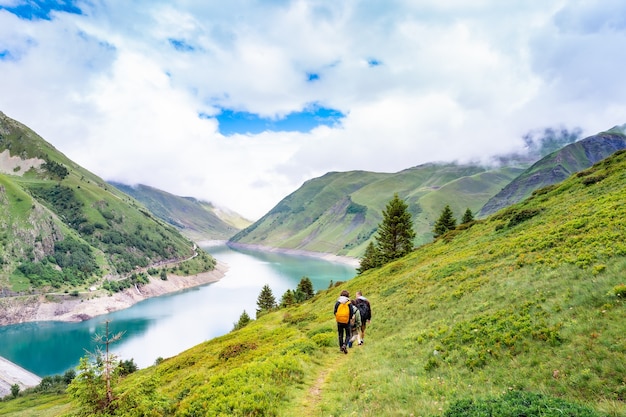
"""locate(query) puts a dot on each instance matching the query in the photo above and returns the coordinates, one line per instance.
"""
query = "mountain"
(198, 220)
(520, 313)
(64, 227)
(556, 167)
(339, 212)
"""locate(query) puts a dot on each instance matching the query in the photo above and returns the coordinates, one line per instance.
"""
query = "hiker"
(343, 315)
(355, 325)
(365, 309)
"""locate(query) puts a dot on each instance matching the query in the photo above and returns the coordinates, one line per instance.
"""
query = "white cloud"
(455, 81)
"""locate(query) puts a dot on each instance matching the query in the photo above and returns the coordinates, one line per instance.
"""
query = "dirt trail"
(310, 405)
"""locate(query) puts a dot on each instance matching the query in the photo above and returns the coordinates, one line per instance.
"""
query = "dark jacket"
(364, 306)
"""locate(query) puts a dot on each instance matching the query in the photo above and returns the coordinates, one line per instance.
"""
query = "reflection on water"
(167, 325)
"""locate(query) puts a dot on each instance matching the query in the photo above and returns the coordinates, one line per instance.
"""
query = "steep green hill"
(526, 304)
(556, 167)
(340, 211)
(198, 220)
(64, 227)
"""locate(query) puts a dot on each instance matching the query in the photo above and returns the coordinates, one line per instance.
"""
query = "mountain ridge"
(556, 167)
(66, 229)
(339, 211)
(198, 220)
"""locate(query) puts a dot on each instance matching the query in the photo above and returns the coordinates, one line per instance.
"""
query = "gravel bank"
(11, 374)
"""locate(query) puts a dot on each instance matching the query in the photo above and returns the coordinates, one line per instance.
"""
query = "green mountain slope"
(339, 212)
(556, 167)
(528, 300)
(64, 227)
(198, 220)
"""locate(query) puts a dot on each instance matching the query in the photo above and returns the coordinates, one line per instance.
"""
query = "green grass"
(45, 405)
(495, 312)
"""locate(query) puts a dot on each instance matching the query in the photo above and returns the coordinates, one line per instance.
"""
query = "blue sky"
(232, 122)
(240, 102)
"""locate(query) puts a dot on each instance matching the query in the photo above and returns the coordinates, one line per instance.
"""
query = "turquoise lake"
(164, 326)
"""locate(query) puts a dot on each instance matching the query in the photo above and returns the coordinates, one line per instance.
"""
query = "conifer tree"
(370, 259)
(468, 216)
(244, 319)
(266, 301)
(288, 299)
(445, 222)
(305, 290)
(395, 233)
(92, 389)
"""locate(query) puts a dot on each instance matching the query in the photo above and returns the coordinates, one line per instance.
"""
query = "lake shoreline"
(347, 260)
(68, 308)
(85, 306)
(11, 374)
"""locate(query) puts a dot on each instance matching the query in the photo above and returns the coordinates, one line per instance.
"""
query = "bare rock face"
(18, 309)
(14, 165)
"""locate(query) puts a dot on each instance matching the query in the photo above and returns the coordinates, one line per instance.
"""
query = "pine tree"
(244, 319)
(15, 390)
(288, 299)
(305, 287)
(468, 216)
(266, 301)
(92, 388)
(370, 259)
(445, 222)
(395, 233)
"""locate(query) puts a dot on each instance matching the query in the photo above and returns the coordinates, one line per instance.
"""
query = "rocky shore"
(70, 308)
(12, 374)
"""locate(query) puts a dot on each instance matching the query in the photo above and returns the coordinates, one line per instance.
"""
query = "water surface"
(164, 326)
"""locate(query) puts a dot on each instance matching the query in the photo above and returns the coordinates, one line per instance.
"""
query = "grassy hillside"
(198, 220)
(528, 300)
(340, 211)
(63, 227)
(556, 167)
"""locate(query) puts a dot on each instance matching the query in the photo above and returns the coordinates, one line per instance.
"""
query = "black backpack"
(364, 309)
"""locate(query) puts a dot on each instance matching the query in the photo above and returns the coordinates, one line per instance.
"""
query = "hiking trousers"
(343, 331)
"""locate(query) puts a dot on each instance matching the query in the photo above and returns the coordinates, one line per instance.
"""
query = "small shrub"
(233, 351)
(592, 180)
(431, 364)
(544, 190)
(296, 318)
(15, 390)
(620, 290)
(302, 346)
(320, 330)
(522, 216)
(325, 339)
(598, 269)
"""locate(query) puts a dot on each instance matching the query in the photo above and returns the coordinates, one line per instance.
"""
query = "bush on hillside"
(518, 403)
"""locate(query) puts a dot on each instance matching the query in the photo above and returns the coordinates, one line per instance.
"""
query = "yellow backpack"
(343, 312)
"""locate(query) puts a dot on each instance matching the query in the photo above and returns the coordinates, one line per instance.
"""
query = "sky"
(240, 102)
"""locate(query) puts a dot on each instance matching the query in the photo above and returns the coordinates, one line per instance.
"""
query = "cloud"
(144, 92)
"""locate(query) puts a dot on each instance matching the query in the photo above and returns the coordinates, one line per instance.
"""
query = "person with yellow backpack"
(343, 315)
